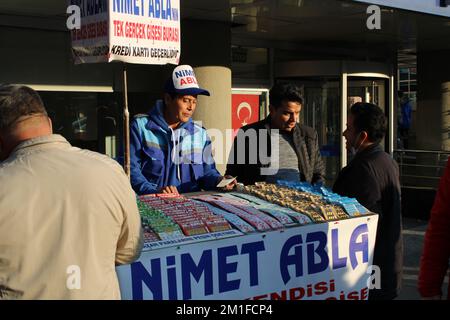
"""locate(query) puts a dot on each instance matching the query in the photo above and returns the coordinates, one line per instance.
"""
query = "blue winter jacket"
(160, 156)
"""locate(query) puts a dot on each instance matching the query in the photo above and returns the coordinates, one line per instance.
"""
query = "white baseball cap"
(184, 82)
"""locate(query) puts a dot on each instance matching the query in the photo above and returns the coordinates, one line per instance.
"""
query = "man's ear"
(167, 99)
(50, 124)
(272, 109)
(364, 136)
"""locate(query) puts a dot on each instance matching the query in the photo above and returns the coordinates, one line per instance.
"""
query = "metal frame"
(70, 88)
(437, 165)
(389, 107)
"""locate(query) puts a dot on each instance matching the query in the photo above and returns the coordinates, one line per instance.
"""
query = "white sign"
(311, 262)
(424, 6)
(132, 31)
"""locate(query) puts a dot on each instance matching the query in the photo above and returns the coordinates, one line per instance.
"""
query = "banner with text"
(137, 31)
(312, 262)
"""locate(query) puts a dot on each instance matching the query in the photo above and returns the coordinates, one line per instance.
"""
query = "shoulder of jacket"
(141, 115)
(141, 119)
(307, 131)
(256, 125)
(199, 127)
(101, 158)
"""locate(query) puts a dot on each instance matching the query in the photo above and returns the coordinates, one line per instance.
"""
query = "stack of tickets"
(157, 226)
(192, 218)
(241, 212)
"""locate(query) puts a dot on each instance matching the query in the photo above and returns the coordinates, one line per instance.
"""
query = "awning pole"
(126, 123)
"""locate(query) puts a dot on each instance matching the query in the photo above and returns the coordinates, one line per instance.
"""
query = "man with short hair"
(278, 147)
(372, 177)
(169, 153)
(67, 215)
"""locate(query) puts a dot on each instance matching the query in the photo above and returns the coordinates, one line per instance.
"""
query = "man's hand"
(169, 189)
(229, 186)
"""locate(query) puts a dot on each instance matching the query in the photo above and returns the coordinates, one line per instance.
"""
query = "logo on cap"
(183, 81)
(184, 78)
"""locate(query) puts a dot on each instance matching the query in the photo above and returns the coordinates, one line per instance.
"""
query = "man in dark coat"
(278, 147)
(372, 177)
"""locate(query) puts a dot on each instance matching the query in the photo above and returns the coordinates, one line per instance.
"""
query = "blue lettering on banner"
(188, 268)
(316, 243)
(159, 9)
(295, 259)
(140, 274)
(151, 9)
(156, 12)
(337, 262)
(91, 7)
(226, 268)
(362, 246)
(161, 275)
(321, 238)
(252, 250)
(172, 278)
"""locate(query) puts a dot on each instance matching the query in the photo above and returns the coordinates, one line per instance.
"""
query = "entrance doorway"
(327, 98)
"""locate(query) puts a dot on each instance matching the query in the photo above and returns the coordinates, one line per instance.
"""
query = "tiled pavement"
(413, 236)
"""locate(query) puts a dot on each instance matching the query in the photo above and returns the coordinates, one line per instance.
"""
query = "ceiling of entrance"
(336, 25)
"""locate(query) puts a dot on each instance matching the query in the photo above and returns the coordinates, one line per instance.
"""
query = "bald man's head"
(22, 117)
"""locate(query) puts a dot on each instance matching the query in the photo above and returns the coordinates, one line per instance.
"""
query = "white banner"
(132, 31)
(311, 262)
(436, 7)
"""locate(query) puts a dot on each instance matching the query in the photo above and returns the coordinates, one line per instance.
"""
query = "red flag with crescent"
(244, 110)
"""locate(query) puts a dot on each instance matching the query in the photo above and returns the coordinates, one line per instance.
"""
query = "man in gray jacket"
(278, 147)
(67, 215)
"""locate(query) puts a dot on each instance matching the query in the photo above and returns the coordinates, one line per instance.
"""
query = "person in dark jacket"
(278, 147)
(372, 177)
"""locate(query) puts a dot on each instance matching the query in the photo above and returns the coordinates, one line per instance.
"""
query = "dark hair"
(284, 92)
(17, 101)
(370, 118)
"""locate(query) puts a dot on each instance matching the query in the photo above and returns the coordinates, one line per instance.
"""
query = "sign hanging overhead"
(436, 7)
(131, 31)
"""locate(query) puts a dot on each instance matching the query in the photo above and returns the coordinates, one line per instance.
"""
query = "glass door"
(321, 111)
(329, 88)
(371, 90)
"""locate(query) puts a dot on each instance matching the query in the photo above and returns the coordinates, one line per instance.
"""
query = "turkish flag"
(244, 110)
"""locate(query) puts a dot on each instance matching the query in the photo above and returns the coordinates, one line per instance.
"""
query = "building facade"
(337, 52)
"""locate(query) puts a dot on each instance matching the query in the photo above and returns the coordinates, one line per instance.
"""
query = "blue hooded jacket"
(161, 156)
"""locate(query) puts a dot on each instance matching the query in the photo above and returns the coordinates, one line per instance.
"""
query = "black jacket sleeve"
(232, 167)
(319, 167)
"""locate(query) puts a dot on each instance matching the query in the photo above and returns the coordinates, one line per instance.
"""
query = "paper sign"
(225, 182)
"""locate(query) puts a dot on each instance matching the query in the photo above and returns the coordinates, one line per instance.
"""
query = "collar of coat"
(374, 148)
